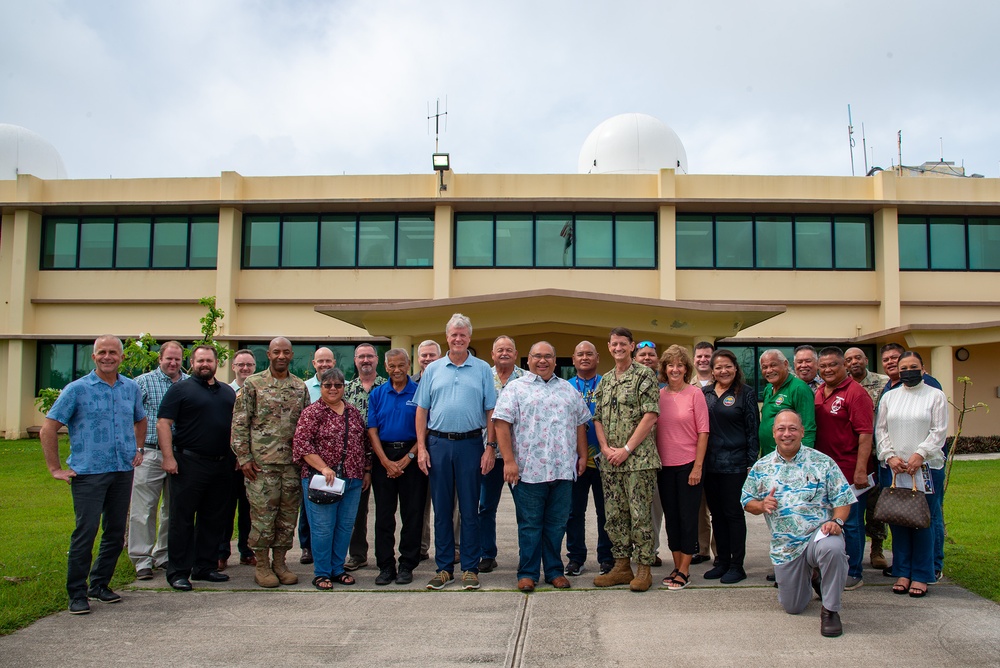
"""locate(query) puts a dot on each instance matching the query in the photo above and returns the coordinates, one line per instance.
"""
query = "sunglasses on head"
(331, 386)
(646, 344)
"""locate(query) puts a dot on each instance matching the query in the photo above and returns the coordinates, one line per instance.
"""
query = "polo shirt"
(393, 413)
(202, 415)
(101, 421)
(457, 395)
(840, 419)
(794, 394)
(314, 391)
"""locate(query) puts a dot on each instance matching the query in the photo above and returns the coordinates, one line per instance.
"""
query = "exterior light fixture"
(441, 161)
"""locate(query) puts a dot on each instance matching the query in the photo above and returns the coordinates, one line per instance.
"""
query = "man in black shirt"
(193, 430)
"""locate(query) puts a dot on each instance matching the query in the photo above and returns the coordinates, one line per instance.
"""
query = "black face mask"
(911, 377)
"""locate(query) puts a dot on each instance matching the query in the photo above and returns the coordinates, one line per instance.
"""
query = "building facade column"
(943, 368)
(442, 251)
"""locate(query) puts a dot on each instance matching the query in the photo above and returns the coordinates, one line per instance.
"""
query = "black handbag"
(903, 507)
(324, 497)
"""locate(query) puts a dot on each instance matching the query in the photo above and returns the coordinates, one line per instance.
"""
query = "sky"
(141, 88)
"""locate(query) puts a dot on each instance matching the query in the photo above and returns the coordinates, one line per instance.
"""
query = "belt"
(151, 446)
(398, 444)
(206, 458)
(456, 436)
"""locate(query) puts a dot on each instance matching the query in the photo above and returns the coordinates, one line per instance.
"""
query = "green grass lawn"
(36, 520)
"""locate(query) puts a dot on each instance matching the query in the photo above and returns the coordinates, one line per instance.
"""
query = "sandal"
(670, 578)
(917, 593)
(679, 581)
(343, 579)
(901, 588)
(322, 583)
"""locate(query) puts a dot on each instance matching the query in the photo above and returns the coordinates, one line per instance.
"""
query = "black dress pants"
(238, 512)
(409, 491)
(722, 491)
(199, 498)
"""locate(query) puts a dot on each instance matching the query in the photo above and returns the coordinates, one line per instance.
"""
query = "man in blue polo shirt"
(455, 401)
(107, 425)
(395, 477)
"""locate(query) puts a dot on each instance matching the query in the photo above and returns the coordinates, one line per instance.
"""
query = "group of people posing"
(665, 438)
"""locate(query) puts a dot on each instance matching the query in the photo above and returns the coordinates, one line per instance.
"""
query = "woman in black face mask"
(910, 431)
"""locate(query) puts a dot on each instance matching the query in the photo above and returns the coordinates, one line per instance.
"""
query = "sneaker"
(440, 580)
(79, 606)
(144, 574)
(574, 568)
(716, 572)
(937, 577)
(606, 567)
(486, 565)
(103, 594)
(385, 576)
(405, 576)
(470, 580)
(733, 575)
(852, 583)
(354, 563)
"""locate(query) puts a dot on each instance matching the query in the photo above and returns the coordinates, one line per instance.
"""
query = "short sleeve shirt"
(393, 413)
(619, 404)
(202, 415)
(588, 388)
(356, 395)
(101, 422)
(154, 386)
(794, 394)
(544, 416)
(807, 488)
(840, 418)
(457, 396)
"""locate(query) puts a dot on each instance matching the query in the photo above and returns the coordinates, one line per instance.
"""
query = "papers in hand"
(871, 483)
(319, 482)
(923, 480)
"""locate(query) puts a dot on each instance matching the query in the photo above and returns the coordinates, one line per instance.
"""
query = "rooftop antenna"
(899, 149)
(941, 142)
(864, 149)
(440, 161)
(850, 137)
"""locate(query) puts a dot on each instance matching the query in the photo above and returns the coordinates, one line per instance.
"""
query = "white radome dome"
(632, 144)
(24, 152)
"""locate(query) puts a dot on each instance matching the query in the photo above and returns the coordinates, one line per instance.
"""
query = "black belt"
(202, 457)
(152, 446)
(398, 444)
(453, 436)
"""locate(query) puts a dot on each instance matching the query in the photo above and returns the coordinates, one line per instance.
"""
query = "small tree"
(140, 355)
(46, 399)
(210, 327)
(962, 411)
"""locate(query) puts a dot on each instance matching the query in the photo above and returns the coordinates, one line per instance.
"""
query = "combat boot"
(263, 575)
(285, 576)
(643, 580)
(877, 558)
(619, 575)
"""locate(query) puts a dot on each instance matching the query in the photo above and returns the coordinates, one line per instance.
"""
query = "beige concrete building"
(749, 262)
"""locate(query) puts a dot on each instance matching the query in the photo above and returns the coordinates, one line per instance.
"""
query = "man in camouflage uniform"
(874, 383)
(627, 403)
(264, 419)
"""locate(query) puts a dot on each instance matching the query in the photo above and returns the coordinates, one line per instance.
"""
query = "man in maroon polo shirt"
(844, 425)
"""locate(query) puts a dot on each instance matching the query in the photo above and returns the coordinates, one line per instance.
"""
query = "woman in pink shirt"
(681, 438)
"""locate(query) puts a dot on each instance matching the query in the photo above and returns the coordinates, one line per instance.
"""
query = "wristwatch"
(141, 449)
(839, 522)
(411, 455)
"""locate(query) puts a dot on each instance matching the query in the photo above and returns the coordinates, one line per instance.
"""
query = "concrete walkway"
(239, 624)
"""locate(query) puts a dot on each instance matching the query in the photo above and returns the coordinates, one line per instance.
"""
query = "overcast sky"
(142, 88)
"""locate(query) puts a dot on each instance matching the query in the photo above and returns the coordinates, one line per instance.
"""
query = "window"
(765, 241)
(337, 240)
(953, 243)
(130, 242)
(555, 240)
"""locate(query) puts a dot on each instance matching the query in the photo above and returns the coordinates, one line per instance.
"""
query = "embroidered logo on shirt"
(729, 401)
(838, 403)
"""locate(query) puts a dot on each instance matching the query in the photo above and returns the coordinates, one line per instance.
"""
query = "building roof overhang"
(931, 335)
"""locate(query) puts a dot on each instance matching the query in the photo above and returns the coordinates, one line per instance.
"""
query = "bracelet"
(627, 450)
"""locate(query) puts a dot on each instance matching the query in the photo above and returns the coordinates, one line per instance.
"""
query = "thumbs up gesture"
(770, 503)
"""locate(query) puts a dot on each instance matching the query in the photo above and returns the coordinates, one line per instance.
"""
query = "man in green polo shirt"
(785, 390)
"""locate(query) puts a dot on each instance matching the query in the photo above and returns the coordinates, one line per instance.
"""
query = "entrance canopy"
(583, 314)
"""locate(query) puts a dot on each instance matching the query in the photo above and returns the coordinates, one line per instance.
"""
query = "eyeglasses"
(646, 344)
(537, 357)
(331, 386)
(244, 365)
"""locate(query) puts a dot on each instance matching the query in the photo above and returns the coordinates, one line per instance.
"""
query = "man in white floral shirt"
(541, 425)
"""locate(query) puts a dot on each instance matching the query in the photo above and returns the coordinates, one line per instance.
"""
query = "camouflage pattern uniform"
(874, 383)
(620, 404)
(264, 418)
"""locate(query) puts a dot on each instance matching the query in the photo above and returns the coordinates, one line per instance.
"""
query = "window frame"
(928, 223)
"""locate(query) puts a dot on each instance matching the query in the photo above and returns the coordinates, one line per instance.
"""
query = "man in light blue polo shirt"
(455, 402)
(107, 428)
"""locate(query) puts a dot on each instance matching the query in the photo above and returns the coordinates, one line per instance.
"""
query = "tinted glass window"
(912, 243)
(204, 251)
(695, 241)
(260, 243)
(947, 243)
(635, 241)
(733, 241)
(338, 239)
(170, 242)
(813, 242)
(984, 244)
(594, 243)
(514, 240)
(59, 251)
(852, 243)
(774, 242)
(376, 241)
(299, 241)
(474, 240)
(97, 243)
(415, 241)
(553, 240)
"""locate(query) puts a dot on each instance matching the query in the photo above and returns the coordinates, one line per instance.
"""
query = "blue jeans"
(455, 468)
(576, 527)
(542, 511)
(305, 540)
(912, 562)
(854, 537)
(936, 502)
(489, 500)
(99, 500)
(331, 525)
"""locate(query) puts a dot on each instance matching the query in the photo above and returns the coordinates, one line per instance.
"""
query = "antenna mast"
(864, 148)
(850, 137)
(437, 116)
(899, 150)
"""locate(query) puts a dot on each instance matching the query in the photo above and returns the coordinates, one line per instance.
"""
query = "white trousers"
(147, 547)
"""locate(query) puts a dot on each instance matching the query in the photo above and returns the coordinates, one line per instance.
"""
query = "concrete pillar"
(403, 341)
(442, 251)
(943, 368)
(886, 241)
(667, 251)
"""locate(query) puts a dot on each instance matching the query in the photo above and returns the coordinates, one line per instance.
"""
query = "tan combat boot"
(877, 558)
(643, 580)
(285, 576)
(619, 575)
(264, 576)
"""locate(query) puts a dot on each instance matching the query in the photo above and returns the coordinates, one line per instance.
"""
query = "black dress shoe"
(829, 623)
(181, 584)
(385, 576)
(103, 594)
(307, 556)
(699, 558)
(79, 606)
(211, 576)
(486, 565)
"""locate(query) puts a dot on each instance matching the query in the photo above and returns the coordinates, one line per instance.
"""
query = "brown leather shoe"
(222, 565)
(527, 585)
(248, 561)
(829, 624)
(560, 582)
